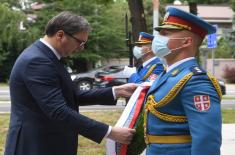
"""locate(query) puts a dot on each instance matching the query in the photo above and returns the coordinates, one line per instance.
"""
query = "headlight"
(97, 79)
(221, 83)
(73, 77)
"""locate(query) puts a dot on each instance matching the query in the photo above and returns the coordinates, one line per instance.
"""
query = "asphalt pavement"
(228, 130)
(226, 103)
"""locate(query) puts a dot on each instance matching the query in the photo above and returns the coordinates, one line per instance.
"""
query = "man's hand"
(122, 135)
(125, 90)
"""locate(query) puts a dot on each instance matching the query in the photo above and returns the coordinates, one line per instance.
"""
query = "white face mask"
(160, 46)
(138, 52)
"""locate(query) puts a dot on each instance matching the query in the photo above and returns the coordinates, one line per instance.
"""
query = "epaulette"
(196, 70)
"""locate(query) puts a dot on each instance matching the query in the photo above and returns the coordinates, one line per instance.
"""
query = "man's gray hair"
(68, 22)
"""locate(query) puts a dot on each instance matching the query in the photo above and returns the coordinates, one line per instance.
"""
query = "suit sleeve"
(204, 123)
(95, 97)
(42, 80)
(132, 78)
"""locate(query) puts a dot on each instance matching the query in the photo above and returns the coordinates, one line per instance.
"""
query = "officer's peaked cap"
(179, 19)
(144, 38)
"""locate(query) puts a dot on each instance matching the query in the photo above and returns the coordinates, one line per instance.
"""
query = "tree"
(233, 4)
(12, 40)
(138, 20)
(108, 35)
(105, 16)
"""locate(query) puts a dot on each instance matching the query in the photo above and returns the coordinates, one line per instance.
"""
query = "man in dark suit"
(44, 111)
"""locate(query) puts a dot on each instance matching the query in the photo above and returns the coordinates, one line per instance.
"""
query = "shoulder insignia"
(152, 77)
(197, 70)
(202, 102)
(175, 72)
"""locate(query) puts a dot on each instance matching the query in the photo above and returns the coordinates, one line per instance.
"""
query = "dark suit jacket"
(44, 112)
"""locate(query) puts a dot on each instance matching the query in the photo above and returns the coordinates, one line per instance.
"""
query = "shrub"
(229, 74)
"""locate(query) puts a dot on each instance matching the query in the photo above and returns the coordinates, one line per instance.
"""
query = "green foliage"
(138, 145)
(107, 38)
(105, 16)
(88, 147)
(232, 4)
(11, 2)
(12, 41)
(201, 1)
(228, 116)
(224, 50)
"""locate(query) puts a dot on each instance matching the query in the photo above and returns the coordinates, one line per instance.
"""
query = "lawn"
(4, 85)
(87, 147)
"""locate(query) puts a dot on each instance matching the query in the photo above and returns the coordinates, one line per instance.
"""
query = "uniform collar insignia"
(175, 72)
(196, 70)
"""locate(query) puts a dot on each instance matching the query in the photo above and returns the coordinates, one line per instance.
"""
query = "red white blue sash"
(128, 118)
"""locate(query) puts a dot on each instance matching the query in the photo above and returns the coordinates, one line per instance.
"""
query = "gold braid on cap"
(177, 24)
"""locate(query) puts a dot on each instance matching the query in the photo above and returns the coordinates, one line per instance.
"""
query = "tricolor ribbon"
(128, 118)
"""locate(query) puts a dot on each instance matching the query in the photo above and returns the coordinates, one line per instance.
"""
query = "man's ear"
(60, 34)
(187, 41)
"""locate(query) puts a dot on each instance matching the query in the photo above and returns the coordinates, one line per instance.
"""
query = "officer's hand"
(125, 90)
(122, 135)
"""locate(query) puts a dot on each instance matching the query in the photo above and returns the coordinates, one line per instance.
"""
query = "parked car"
(108, 76)
(85, 81)
(222, 86)
(105, 76)
(111, 76)
(114, 75)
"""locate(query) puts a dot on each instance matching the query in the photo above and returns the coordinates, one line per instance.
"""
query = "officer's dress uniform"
(182, 112)
(149, 71)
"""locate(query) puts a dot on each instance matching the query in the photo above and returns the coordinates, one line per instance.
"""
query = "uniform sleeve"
(132, 78)
(202, 107)
(42, 79)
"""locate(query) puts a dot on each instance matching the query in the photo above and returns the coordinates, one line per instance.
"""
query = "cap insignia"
(166, 17)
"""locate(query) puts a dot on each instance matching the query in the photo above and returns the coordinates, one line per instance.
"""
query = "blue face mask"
(160, 45)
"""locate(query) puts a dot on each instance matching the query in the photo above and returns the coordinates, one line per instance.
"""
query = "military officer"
(182, 107)
(151, 65)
